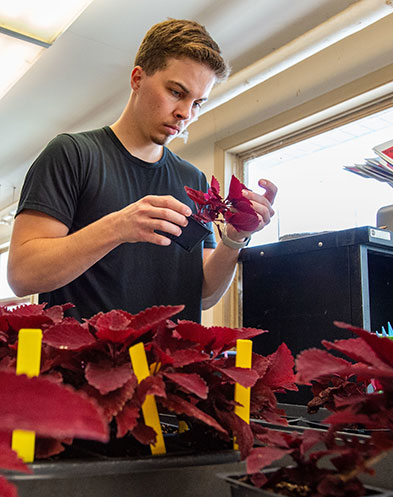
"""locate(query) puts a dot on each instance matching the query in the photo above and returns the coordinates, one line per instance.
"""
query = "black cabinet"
(297, 288)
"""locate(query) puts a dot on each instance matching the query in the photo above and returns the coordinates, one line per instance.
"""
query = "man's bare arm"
(44, 257)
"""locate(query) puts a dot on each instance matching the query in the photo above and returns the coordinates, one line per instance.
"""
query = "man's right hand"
(139, 221)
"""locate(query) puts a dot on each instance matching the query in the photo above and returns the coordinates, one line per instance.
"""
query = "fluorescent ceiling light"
(26, 27)
(16, 56)
(43, 20)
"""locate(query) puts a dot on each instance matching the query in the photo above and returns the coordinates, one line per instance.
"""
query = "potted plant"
(192, 378)
(339, 385)
(46, 408)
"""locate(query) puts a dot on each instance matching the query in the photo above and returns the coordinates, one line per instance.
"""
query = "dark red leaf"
(244, 376)
(190, 382)
(310, 439)
(194, 332)
(262, 398)
(27, 310)
(106, 377)
(151, 385)
(247, 333)
(56, 312)
(236, 189)
(48, 447)
(181, 406)
(48, 409)
(242, 220)
(261, 457)
(349, 417)
(357, 349)
(363, 371)
(272, 437)
(118, 327)
(258, 479)
(382, 346)
(127, 419)
(280, 372)
(7, 489)
(224, 338)
(161, 356)
(68, 336)
(144, 434)
(184, 357)
(260, 364)
(197, 196)
(214, 338)
(27, 316)
(149, 318)
(215, 186)
(113, 402)
(113, 326)
(241, 431)
(312, 364)
(9, 460)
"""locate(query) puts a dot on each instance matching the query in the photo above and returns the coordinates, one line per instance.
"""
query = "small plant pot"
(240, 488)
(192, 234)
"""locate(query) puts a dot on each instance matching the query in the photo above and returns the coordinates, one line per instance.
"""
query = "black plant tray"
(86, 469)
(240, 488)
(299, 419)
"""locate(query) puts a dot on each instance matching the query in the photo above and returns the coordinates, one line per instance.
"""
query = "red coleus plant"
(48, 409)
(339, 385)
(235, 209)
(191, 376)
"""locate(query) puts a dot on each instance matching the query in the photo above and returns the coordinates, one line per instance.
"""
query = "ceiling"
(82, 81)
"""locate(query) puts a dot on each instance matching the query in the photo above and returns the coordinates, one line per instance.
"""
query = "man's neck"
(147, 152)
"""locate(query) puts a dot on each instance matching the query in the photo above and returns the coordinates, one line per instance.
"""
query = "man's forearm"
(47, 263)
(218, 269)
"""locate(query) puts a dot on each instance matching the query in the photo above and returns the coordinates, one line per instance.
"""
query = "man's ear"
(136, 77)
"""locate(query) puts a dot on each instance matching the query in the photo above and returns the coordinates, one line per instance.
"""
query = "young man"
(86, 225)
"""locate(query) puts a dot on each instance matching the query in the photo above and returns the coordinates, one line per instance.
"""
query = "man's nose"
(183, 111)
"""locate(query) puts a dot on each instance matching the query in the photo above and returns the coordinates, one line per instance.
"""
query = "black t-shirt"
(81, 177)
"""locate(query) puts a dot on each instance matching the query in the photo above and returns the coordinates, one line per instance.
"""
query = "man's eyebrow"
(186, 90)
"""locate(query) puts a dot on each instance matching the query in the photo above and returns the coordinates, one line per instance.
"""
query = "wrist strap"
(231, 243)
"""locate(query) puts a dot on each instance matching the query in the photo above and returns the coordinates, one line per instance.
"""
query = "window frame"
(313, 117)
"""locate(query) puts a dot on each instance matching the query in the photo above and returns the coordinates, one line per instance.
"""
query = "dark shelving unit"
(297, 288)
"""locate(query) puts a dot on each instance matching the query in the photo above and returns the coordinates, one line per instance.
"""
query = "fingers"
(141, 220)
(169, 206)
(270, 189)
(262, 203)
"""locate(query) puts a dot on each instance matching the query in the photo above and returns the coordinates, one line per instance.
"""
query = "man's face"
(169, 100)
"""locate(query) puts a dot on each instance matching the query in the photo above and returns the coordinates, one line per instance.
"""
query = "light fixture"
(28, 27)
(16, 56)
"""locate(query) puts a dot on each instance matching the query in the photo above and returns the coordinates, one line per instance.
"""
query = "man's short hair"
(177, 38)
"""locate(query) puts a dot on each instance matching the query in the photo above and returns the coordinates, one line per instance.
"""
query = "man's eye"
(175, 93)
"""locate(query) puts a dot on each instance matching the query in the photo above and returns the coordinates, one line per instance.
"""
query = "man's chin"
(162, 140)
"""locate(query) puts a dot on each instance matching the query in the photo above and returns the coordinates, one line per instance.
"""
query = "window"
(5, 290)
(7, 296)
(315, 193)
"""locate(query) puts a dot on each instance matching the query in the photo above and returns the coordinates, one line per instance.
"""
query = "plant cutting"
(339, 385)
(235, 209)
(191, 376)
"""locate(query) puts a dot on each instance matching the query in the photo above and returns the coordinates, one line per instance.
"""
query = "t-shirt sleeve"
(53, 181)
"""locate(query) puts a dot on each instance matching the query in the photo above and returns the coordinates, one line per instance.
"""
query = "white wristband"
(231, 243)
